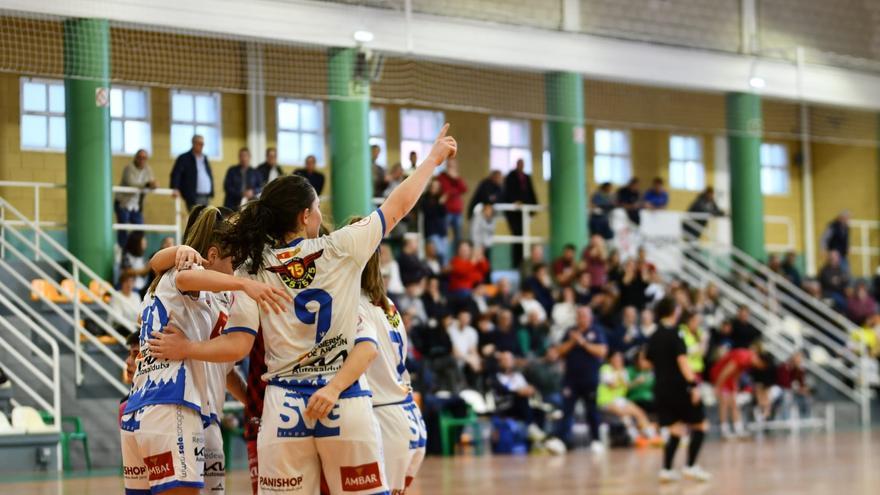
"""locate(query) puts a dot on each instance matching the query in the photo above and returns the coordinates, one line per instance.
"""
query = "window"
(300, 131)
(510, 142)
(418, 130)
(774, 168)
(612, 162)
(377, 134)
(545, 154)
(42, 115)
(129, 120)
(686, 169)
(194, 112)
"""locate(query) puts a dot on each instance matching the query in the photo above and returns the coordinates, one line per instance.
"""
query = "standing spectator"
(595, 257)
(454, 188)
(536, 257)
(390, 271)
(412, 269)
(191, 175)
(269, 170)
(583, 351)
(413, 160)
(834, 280)
(565, 266)
(656, 198)
(836, 238)
(676, 394)
(860, 305)
(542, 286)
(629, 198)
(134, 263)
(310, 172)
(489, 190)
(564, 314)
(129, 206)
(790, 270)
(705, 204)
(378, 171)
(242, 183)
(434, 215)
(483, 228)
(744, 334)
(601, 204)
(518, 190)
(632, 286)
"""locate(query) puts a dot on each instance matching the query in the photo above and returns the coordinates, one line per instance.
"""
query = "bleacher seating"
(28, 419)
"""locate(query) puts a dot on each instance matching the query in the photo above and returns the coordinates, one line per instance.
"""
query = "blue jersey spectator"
(656, 198)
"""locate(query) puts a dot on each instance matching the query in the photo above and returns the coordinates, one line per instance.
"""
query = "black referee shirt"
(664, 347)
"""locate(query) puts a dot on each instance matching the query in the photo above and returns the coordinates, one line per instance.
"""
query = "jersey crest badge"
(298, 273)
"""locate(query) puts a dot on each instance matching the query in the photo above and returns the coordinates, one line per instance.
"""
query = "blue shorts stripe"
(133, 491)
(155, 490)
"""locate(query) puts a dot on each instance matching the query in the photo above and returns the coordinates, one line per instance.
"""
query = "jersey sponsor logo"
(215, 468)
(363, 477)
(134, 471)
(298, 273)
(159, 466)
(280, 484)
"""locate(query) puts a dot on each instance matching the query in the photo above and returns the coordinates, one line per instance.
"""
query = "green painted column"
(744, 126)
(89, 204)
(568, 186)
(350, 171)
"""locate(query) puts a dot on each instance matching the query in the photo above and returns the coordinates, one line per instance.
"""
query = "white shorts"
(162, 448)
(215, 461)
(403, 443)
(294, 451)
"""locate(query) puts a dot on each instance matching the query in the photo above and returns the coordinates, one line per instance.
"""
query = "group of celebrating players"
(338, 415)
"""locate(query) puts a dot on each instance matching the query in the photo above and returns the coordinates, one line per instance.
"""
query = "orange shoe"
(641, 442)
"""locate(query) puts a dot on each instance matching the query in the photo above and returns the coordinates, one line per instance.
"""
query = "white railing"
(713, 225)
(526, 211)
(860, 244)
(80, 309)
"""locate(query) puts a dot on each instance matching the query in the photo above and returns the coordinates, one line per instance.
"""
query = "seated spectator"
(486, 330)
(134, 261)
(656, 198)
(583, 288)
(563, 314)
(860, 305)
(437, 350)
(483, 228)
(390, 271)
(129, 206)
(632, 339)
(542, 287)
(725, 376)
(790, 270)
(611, 399)
(127, 305)
(595, 257)
(465, 340)
(565, 266)
(774, 264)
(490, 190)
(629, 198)
(505, 338)
(646, 322)
(434, 301)
(710, 306)
(242, 182)
(513, 392)
(536, 257)
(432, 205)
(481, 265)
(411, 301)
(463, 272)
(412, 269)
(744, 333)
(655, 291)
(641, 384)
(528, 305)
(533, 336)
(601, 204)
(310, 172)
(432, 259)
(504, 296)
(792, 378)
(834, 279)
(864, 339)
(393, 179)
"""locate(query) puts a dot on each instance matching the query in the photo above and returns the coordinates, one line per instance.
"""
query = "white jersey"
(307, 345)
(186, 382)
(387, 375)
(217, 371)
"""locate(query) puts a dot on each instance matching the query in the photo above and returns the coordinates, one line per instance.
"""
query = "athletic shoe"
(669, 476)
(597, 447)
(641, 442)
(696, 473)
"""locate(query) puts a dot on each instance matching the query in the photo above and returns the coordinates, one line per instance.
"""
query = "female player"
(400, 420)
(162, 427)
(316, 418)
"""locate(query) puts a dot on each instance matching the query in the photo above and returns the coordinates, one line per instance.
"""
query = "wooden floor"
(846, 463)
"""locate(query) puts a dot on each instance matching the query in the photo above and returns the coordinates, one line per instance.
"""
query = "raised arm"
(404, 197)
(268, 297)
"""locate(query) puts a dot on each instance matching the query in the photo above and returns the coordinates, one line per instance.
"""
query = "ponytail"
(372, 283)
(267, 220)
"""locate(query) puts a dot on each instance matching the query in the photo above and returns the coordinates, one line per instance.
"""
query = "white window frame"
(621, 180)
(195, 123)
(783, 168)
(693, 168)
(546, 170)
(320, 133)
(147, 119)
(379, 136)
(424, 142)
(513, 151)
(47, 113)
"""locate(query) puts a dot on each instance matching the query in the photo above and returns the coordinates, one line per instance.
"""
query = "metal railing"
(861, 245)
(526, 211)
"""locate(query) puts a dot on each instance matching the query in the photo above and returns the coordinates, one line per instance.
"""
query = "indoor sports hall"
(621, 247)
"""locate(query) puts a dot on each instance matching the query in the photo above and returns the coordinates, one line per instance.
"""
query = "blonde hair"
(372, 283)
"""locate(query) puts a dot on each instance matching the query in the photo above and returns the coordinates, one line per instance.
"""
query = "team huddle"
(338, 415)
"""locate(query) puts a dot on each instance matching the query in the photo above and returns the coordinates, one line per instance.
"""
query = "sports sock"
(694, 447)
(669, 451)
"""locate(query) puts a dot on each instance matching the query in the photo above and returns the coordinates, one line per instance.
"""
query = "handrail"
(526, 238)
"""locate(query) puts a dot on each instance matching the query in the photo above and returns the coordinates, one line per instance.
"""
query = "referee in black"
(676, 393)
